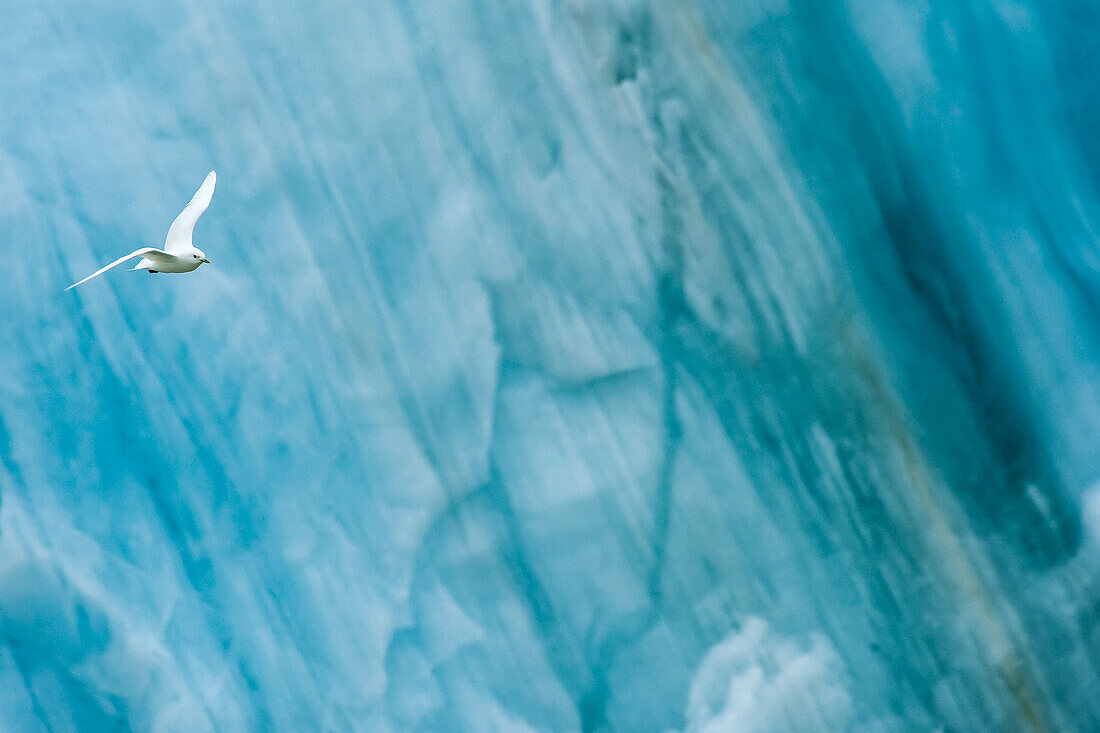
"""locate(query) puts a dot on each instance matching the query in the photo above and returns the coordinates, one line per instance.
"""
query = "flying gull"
(179, 254)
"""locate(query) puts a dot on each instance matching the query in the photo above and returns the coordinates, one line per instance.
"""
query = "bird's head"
(199, 255)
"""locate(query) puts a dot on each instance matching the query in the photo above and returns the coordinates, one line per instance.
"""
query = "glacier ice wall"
(564, 364)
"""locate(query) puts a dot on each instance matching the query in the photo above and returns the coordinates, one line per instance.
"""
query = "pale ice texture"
(562, 365)
(755, 681)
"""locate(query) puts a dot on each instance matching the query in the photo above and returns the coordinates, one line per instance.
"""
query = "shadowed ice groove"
(595, 365)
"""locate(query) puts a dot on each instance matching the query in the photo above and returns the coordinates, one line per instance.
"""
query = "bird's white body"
(169, 263)
(179, 253)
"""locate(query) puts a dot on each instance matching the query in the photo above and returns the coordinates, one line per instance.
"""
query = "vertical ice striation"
(597, 364)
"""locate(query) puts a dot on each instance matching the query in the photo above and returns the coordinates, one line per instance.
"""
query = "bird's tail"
(143, 264)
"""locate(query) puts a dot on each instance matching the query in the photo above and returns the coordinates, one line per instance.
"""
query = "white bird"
(179, 254)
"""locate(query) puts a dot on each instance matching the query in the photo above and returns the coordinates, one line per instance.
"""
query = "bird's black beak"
(205, 260)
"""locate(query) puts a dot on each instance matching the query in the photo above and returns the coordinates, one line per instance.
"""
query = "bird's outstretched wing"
(178, 240)
(151, 252)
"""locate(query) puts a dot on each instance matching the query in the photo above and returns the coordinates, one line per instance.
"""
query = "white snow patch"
(758, 680)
